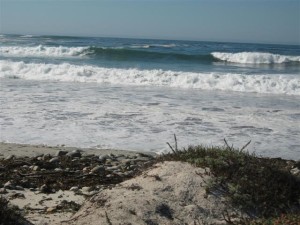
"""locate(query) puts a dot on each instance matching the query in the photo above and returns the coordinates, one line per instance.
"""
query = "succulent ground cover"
(263, 188)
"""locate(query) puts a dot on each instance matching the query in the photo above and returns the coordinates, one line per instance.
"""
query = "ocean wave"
(153, 46)
(138, 53)
(273, 84)
(41, 51)
(255, 58)
(118, 53)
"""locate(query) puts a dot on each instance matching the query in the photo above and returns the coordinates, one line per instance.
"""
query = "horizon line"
(149, 38)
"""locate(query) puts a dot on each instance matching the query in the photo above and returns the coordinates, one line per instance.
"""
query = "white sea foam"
(41, 51)
(255, 57)
(274, 84)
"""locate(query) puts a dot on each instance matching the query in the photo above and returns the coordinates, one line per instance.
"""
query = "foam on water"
(255, 58)
(274, 84)
(41, 51)
(145, 118)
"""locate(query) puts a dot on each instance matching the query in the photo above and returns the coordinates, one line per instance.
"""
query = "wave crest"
(255, 58)
(274, 84)
(41, 51)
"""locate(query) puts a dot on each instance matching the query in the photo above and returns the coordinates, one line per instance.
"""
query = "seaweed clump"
(260, 187)
(10, 215)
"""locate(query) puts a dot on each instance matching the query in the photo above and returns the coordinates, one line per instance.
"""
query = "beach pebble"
(19, 188)
(47, 157)
(113, 168)
(51, 210)
(45, 189)
(36, 168)
(103, 158)
(75, 189)
(58, 169)
(54, 160)
(60, 153)
(85, 169)
(98, 169)
(295, 171)
(3, 191)
(73, 154)
(8, 185)
(10, 157)
(86, 189)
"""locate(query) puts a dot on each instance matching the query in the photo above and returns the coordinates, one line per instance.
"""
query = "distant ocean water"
(136, 93)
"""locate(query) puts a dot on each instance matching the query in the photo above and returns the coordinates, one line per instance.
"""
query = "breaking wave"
(273, 84)
(255, 58)
(41, 51)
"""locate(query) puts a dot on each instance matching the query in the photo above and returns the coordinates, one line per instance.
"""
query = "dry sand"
(171, 193)
(167, 193)
(7, 149)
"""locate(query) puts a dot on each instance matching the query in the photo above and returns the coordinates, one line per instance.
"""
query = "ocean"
(135, 94)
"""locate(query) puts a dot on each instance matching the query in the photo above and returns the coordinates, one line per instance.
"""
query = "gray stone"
(113, 168)
(75, 189)
(98, 169)
(54, 160)
(103, 158)
(9, 185)
(75, 153)
(36, 168)
(10, 157)
(61, 153)
(19, 188)
(86, 189)
(3, 191)
(295, 171)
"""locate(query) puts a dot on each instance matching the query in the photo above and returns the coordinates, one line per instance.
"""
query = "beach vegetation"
(258, 186)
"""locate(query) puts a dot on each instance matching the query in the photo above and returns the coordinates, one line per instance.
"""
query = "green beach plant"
(260, 187)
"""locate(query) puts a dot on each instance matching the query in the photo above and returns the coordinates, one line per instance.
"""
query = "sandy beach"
(43, 205)
(21, 150)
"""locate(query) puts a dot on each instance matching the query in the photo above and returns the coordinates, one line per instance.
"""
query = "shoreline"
(29, 150)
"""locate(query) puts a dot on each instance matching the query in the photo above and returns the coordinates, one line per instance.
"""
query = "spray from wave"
(274, 84)
(255, 58)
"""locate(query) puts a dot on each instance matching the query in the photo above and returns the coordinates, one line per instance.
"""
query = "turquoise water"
(136, 93)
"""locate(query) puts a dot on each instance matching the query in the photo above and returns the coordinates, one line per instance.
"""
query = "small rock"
(19, 188)
(98, 169)
(54, 160)
(3, 191)
(10, 157)
(86, 189)
(36, 168)
(45, 189)
(9, 185)
(51, 210)
(60, 153)
(73, 154)
(85, 169)
(58, 169)
(103, 158)
(47, 157)
(113, 168)
(75, 189)
(295, 171)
